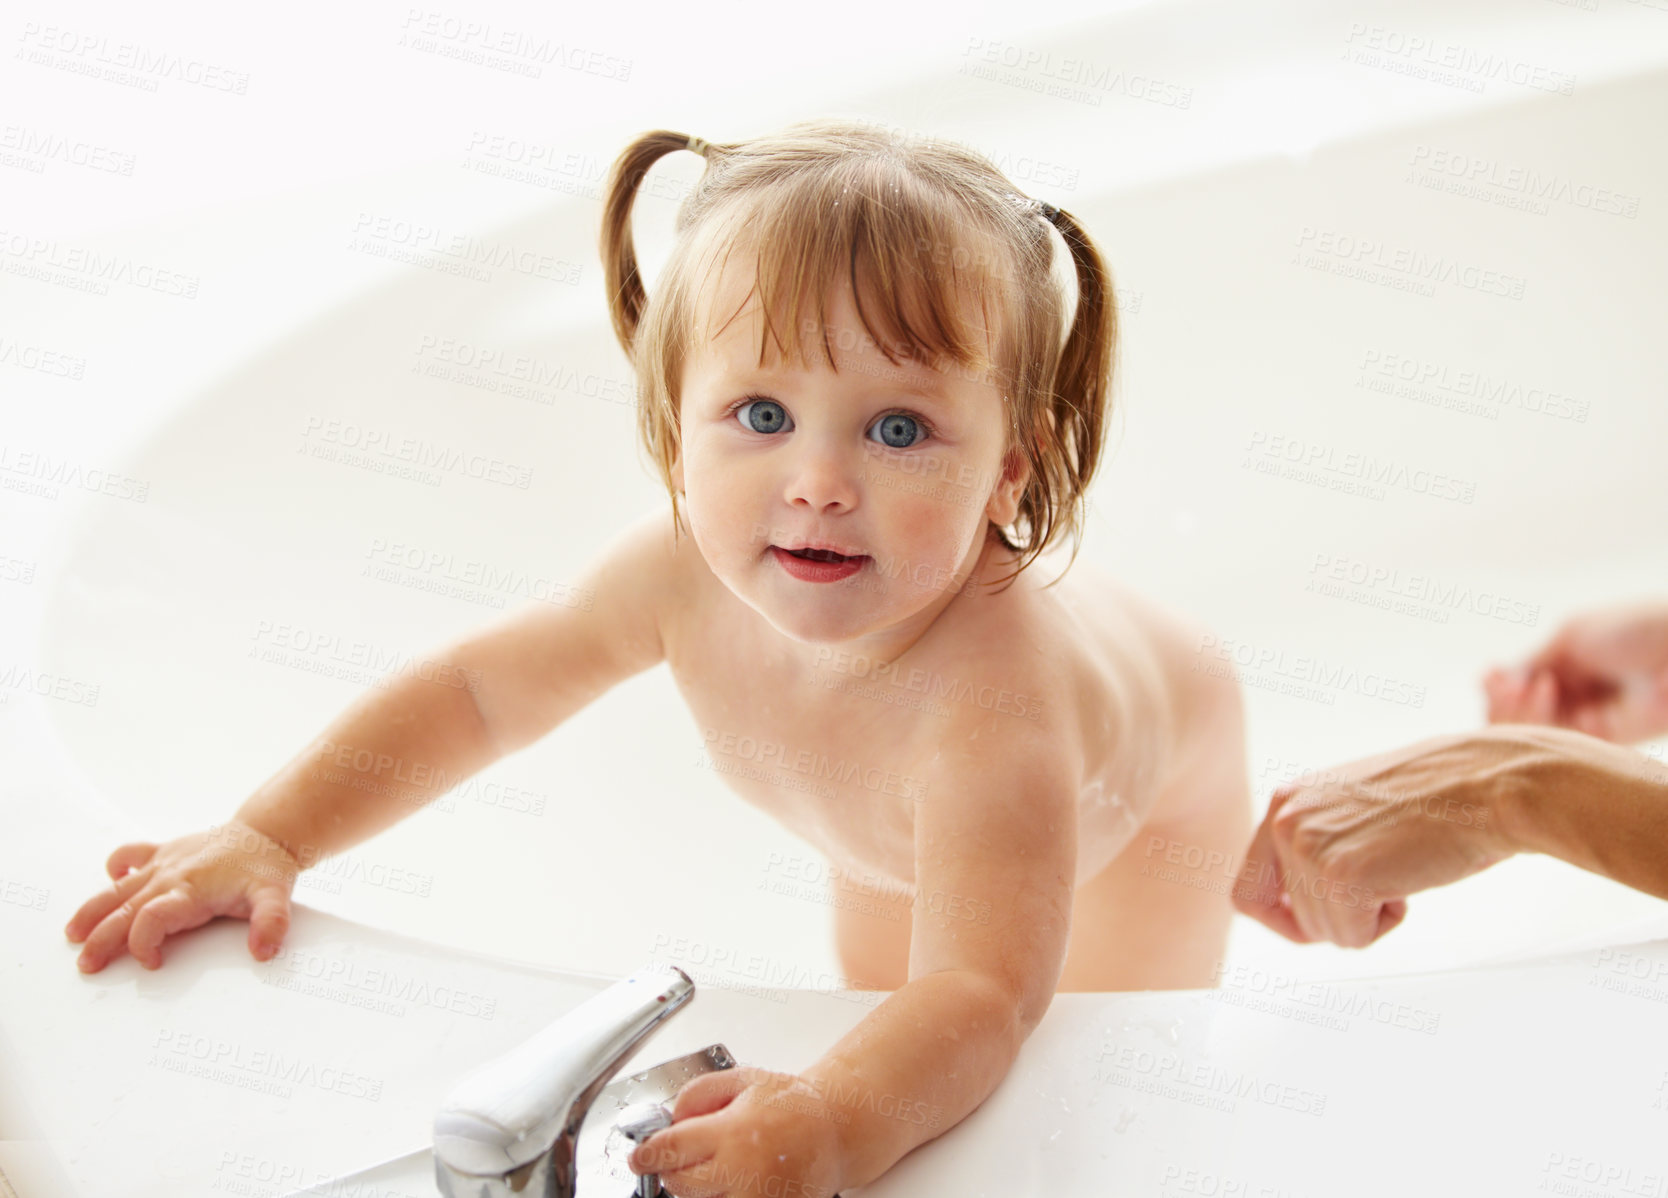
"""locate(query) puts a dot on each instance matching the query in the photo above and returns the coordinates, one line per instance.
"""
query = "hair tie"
(1048, 211)
(698, 145)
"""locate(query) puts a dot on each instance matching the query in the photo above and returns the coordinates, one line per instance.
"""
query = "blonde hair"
(910, 224)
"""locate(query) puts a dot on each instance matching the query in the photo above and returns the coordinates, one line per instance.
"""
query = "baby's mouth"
(822, 555)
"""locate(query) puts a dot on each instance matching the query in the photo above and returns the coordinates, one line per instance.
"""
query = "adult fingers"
(1540, 701)
(1348, 914)
(1356, 923)
(1391, 914)
(1593, 719)
(1279, 918)
(129, 857)
(1504, 689)
(1647, 712)
(1635, 709)
(1307, 911)
(170, 912)
(1295, 867)
(1263, 895)
(1325, 903)
(1341, 915)
(1555, 654)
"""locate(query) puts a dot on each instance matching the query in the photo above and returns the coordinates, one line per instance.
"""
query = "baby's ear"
(1004, 500)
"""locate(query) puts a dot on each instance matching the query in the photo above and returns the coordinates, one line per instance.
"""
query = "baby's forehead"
(734, 334)
(735, 355)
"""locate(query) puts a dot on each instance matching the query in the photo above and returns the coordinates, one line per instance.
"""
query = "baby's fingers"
(109, 939)
(269, 920)
(172, 911)
(94, 910)
(129, 856)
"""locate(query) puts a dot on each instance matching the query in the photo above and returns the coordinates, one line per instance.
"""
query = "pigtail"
(1075, 416)
(624, 284)
(1085, 373)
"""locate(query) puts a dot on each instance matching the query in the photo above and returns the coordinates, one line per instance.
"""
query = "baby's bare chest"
(841, 750)
(840, 766)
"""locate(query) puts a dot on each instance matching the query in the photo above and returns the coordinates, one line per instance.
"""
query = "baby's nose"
(825, 481)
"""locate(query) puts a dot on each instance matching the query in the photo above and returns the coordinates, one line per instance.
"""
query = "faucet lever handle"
(521, 1112)
(638, 1123)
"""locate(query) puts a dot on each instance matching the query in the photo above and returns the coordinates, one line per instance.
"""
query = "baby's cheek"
(941, 532)
(715, 517)
(928, 563)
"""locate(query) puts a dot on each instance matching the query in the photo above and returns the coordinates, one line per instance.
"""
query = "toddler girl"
(861, 388)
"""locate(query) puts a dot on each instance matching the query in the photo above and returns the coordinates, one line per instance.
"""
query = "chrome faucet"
(638, 1123)
(510, 1129)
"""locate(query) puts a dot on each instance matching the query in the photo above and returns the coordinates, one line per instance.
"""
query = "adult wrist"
(1548, 768)
(1560, 779)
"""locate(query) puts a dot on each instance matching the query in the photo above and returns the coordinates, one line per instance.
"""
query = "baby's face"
(900, 466)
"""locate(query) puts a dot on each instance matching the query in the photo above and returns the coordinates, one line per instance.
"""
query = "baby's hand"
(747, 1131)
(229, 870)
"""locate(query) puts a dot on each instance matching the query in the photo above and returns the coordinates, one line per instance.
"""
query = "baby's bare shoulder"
(1014, 634)
(1204, 704)
(1132, 644)
(1144, 672)
(1077, 653)
(1173, 639)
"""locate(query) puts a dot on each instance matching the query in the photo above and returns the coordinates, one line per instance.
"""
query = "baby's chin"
(830, 617)
(834, 613)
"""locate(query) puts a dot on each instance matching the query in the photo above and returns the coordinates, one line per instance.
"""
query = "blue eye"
(766, 416)
(898, 430)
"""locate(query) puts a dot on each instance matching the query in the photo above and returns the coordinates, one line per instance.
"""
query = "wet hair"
(919, 228)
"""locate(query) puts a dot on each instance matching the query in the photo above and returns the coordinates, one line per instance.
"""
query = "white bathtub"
(1234, 223)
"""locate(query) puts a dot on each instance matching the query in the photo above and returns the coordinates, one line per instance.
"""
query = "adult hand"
(1604, 673)
(1336, 857)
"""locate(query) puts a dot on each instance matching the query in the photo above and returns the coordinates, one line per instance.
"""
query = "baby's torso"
(838, 752)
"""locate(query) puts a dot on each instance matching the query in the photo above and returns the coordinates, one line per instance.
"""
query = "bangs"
(925, 290)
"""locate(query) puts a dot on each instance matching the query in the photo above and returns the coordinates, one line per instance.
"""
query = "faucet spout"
(511, 1127)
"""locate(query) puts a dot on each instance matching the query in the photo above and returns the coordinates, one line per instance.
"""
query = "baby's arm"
(527, 673)
(995, 858)
(520, 678)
